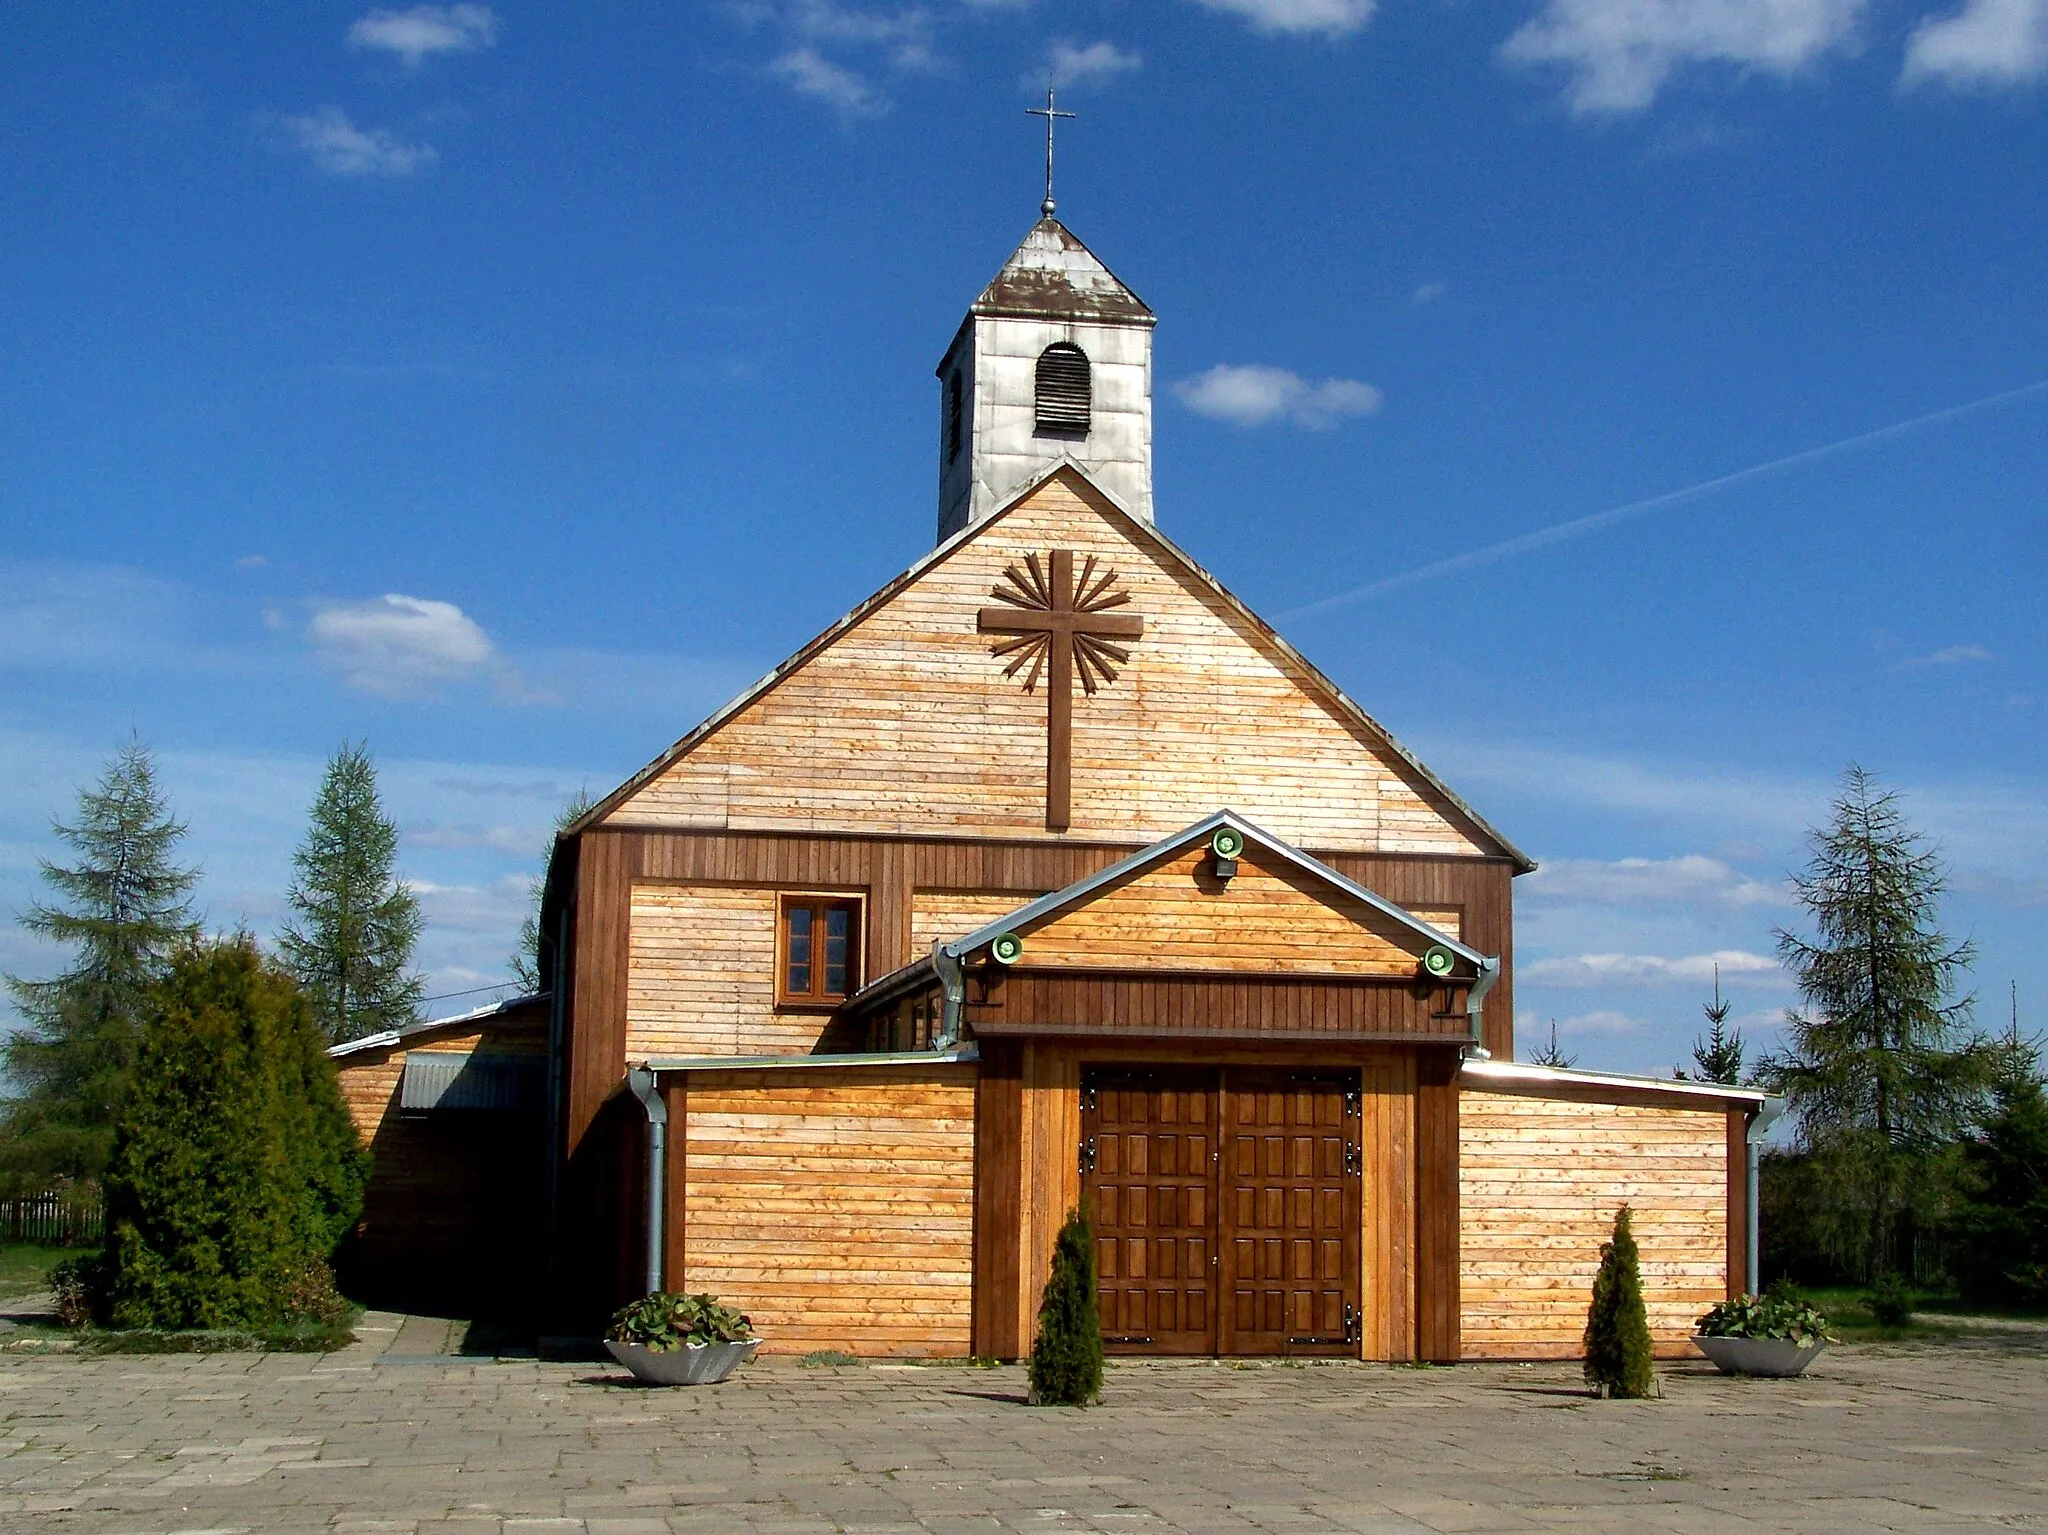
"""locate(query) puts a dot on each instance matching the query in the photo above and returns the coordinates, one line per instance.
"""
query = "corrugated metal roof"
(449, 1080)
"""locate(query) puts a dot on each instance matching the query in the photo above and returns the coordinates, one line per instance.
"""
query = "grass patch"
(300, 1338)
(823, 1358)
(25, 1266)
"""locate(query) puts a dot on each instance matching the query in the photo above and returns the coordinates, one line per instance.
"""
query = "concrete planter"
(695, 1364)
(1758, 1356)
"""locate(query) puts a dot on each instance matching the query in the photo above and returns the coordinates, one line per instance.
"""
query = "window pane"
(838, 922)
(798, 981)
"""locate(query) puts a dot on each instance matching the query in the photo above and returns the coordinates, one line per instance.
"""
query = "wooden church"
(1051, 874)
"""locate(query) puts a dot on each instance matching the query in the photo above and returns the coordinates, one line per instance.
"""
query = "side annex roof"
(1140, 529)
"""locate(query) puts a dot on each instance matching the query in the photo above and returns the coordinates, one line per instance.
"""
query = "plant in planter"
(671, 1339)
(1777, 1333)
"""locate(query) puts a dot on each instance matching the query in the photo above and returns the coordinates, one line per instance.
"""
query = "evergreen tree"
(1881, 1067)
(350, 938)
(1717, 1057)
(525, 963)
(2001, 1223)
(1550, 1055)
(1066, 1361)
(235, 1169)
(121, 909)
(1617, 1327)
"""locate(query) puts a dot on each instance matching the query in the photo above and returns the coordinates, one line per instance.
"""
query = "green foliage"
(666, 1321)
(235, 1166)
(1617, 1327)
(354, 923)
(826, 1358)
(1066, 1361)
(121, 910)
(1890, 1301)
(1716, 1057)
(1774, 1314)
(1550, 1055)
(1881, 1067)
(2001, 1256)
(525, 963)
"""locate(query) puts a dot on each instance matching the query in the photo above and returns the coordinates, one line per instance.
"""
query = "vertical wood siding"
(1540, 1181)
(836, 1207)
(1387, 1248)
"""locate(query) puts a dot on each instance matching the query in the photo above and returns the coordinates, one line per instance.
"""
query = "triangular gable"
(1164, 908)
(873, 693)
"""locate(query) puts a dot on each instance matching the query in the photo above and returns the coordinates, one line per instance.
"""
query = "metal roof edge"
(961, 1055)
(391, 1038)
(1516, 1071)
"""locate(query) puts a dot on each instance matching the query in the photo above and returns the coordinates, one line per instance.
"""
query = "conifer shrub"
(1066, 1362)
(1617, 1327)
(235, 1167)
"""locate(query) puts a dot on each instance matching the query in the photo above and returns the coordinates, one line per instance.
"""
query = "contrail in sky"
(1558, 532)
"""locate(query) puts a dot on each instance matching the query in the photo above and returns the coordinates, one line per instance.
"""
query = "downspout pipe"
(953, 987)
(647, 1089)
(1475, 1007)
(1767, 1114)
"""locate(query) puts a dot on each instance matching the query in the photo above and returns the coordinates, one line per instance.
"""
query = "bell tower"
(1053, 364)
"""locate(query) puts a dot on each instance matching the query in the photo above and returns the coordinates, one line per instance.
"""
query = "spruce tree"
(1550, 1055)
(235, 1169)
(1881, 1067)
(525, 962)
(120, 909)
(1717, 1057)
(354, 923)
(1617, 1327)
(1066, 1361)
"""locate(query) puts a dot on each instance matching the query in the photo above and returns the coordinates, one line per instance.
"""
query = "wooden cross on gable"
(1060, 626)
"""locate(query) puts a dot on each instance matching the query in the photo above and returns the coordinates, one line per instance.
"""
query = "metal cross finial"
(1047, 112)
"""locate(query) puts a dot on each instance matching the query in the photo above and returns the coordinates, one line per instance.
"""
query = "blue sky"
(509, 385)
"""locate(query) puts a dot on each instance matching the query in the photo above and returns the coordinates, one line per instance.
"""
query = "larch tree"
(354, 923)
(525, 962)
(1881, 1066)
(121, 908)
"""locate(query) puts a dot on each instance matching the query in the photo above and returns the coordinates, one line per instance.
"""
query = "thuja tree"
(525, 964)
(119, 908)
(1066, 1361)
(354, 923)
(1617, 1327)
(1880, 1066)
(235, 1167)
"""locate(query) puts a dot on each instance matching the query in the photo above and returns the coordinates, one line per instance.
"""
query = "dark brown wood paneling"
(1212, 1006)
(1149, 1176)
(1290, 1212)
(889, 902)
(1437, 1301)
(1738, 1201)
(676, 1182)
(603, 896)
(998, 1200)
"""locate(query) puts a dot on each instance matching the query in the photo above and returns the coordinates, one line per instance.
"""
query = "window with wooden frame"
(817, 950)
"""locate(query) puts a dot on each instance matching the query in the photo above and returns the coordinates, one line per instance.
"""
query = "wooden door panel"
(1148, 1158)
(1292, 1207)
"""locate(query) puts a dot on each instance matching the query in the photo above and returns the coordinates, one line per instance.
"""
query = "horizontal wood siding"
(905, 722)
(835, 1207)
(1540, 1180)
(936, 915)
(1270, 918)
(703, 976)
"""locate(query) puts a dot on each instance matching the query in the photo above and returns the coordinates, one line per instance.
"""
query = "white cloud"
(1692, 879)
(1073, 64)
(1952, 655)
(1331, 18)
(1599, 1021)
(1986, 43)
(1427, 293)
(1734, 965)
(425, 30)
(1255, 394)
(340, 148)
(810, 73)
(54, 614)
(1620, 53)
(400, 646)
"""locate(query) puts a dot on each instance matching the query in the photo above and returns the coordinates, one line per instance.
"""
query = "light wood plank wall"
(835, 1206)
(1387, 1244)
(905, 723)
(1270, 919)
(937, 915)
(1539, 1182)
(1052, 1172)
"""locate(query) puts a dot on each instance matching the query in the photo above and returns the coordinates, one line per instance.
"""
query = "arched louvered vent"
(952, 415)
(1063, 389)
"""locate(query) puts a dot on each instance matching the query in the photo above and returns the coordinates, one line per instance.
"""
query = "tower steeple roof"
(1053, 276)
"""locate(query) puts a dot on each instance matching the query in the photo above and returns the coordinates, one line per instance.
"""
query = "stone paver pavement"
(1900, 1437)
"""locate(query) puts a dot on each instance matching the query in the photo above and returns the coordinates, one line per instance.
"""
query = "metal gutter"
(391, 1039)
(957, 1055)
(645, 1088)
(1510, 1072)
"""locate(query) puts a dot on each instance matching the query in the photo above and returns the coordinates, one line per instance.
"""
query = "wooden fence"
(53, 1220)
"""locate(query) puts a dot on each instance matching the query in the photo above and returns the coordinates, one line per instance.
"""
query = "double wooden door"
(1227, 1207)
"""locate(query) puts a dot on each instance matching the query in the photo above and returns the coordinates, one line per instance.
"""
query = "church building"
(1051, 874)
